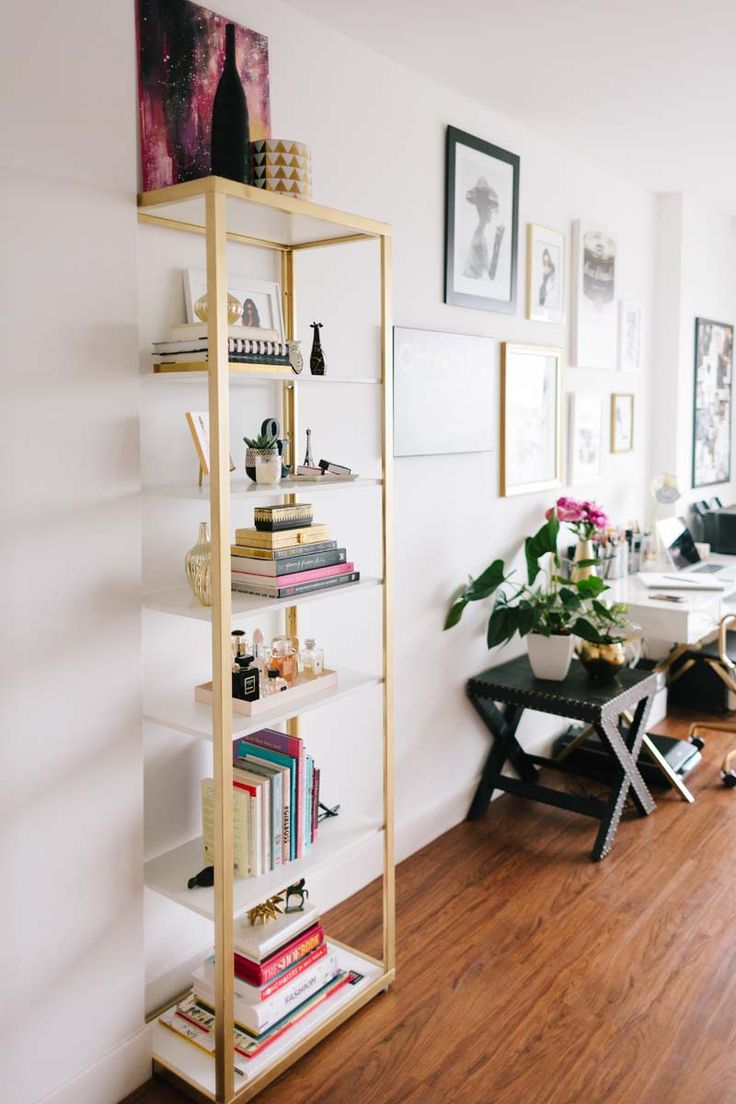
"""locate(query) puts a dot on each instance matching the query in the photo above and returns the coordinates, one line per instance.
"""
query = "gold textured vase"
(198, 566)
(602, 661)
(583, 551)
(234, 309)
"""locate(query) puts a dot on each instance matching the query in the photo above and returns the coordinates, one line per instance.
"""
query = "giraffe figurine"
(316, 357)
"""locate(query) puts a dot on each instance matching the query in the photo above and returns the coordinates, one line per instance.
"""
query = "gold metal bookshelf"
(223, 211)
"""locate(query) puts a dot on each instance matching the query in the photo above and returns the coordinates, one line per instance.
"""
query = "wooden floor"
(529, 975)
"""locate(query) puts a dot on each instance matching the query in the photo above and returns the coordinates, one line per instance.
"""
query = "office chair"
(725, 668)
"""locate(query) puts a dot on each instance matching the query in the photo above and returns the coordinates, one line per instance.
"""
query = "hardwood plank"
(529, 975)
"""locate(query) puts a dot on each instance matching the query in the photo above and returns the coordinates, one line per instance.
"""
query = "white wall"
(71, 930)
(696, 279)
(72, 759)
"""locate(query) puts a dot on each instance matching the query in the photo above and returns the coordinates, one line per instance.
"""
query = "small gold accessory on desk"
(267, 910)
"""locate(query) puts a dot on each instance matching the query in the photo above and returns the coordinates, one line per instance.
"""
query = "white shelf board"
(168, 873)
(245, 488)
(176, 708)
(180, 601)
(259, 377)
(195, 1066)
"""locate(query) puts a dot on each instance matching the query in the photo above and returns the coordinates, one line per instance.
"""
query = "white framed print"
(260, 300)
(444, 392)
(594, 297)
(546, 277)
(622, 422)
(585, 435)
(629, 335)
(531, 418)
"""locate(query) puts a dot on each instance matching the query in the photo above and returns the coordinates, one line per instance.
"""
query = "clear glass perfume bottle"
(312, 660)
(274, 683)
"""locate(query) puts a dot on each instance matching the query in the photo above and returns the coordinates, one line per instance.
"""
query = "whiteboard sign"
(443, 393)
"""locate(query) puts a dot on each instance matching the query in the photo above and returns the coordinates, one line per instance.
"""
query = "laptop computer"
(689, 571)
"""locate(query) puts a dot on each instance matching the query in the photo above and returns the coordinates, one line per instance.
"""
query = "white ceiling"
(646, 87)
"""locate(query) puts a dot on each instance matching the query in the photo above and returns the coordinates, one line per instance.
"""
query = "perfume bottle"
(246, 679)
(285, 657)
(239, 643)
(312, 660)
(274, 683)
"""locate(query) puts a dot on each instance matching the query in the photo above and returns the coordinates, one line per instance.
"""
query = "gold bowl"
(234, 309)
(602, 661)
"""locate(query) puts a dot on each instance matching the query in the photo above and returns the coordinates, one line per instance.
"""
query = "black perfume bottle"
(230, 149)
(246, 679)
(316, 357)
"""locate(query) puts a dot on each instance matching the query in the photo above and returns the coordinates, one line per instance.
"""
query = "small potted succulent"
(604, 631)
(545, 614)
(263, 458)
(587, 520)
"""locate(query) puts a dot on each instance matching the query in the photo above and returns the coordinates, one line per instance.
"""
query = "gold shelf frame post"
(389, 877)
(219, 404)
(289, 418)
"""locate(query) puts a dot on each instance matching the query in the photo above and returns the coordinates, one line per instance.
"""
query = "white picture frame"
(595, 315)
(444, 392)
(263, 294)
(622, 422)
(629, 335)
(585, 438)
(198, 422)
(546, 274)
(531, 418)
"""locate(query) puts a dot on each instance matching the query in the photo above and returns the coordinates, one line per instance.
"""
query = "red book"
(260, 973)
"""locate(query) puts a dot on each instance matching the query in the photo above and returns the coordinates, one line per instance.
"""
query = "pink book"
(292, 580)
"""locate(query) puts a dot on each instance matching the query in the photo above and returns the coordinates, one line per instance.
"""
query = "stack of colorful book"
(275, 803)
(284, 970)
(285, 555)
(189, 344)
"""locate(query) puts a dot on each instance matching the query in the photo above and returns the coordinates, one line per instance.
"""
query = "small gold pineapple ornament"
(267, 910)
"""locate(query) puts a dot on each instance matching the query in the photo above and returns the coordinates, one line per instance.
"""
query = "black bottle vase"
(317, 357)
(230, 151)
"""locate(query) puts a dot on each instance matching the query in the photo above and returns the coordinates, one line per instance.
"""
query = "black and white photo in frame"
(481, 223)
(546, 275)
(712, 408)
(629, 335)
(594, 297)
(585, 437)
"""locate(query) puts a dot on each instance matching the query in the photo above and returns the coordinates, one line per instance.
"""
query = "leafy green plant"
(603, 623)
(553, 608)
(262, 441)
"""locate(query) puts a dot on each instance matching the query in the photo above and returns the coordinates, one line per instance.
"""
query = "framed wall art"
(585, 435)
(481, 223)
(181, 51)
(531, 418)
(594, 297)
(712, 402)
(260, 300)
(622, 422)
(629, 335)
(546, 278)
(443, 392)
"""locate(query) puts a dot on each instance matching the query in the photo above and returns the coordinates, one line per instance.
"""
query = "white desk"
(685, 622)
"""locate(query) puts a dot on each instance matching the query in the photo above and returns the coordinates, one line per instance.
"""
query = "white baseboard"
(110, 1079)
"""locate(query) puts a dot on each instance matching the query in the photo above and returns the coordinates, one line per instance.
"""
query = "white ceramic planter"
(550, 656)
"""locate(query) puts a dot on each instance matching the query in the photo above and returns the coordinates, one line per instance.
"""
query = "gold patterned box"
(280, 165)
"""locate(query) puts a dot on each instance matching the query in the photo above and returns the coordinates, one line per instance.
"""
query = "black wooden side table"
(600, 704)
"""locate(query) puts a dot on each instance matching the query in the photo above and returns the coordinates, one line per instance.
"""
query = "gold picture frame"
(622, 427)
(531, 429)
(541, 239)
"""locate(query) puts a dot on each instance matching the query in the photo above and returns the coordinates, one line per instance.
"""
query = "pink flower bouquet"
(586, 519)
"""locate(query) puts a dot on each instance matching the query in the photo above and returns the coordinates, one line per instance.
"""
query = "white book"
(274, 774)
(260, 941)
(262, 1015)
(263, 816)
(192, 331)
(242, 850)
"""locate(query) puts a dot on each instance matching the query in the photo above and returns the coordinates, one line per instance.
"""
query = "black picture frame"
(704, 410)
(453, 296)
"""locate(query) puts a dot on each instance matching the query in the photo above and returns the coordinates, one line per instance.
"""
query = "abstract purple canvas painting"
(181, 49)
